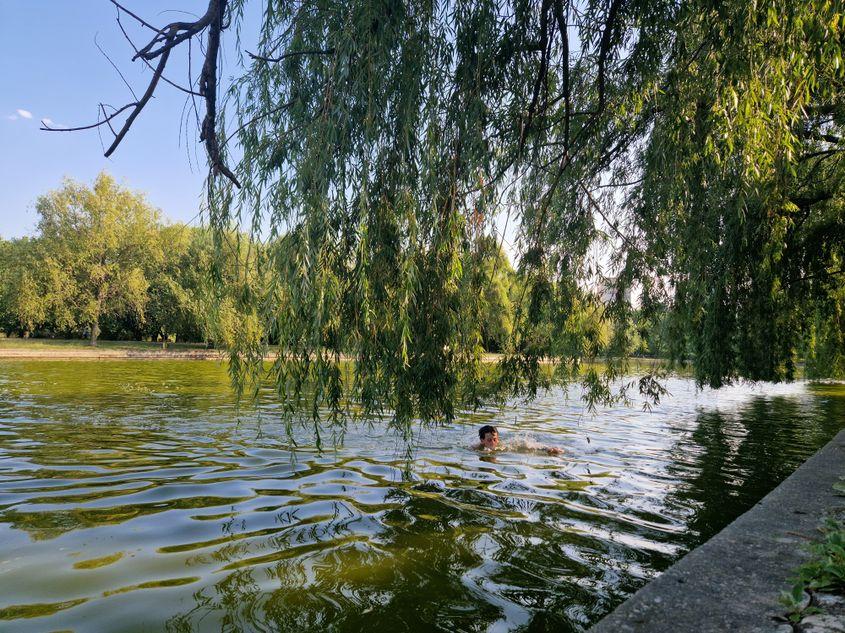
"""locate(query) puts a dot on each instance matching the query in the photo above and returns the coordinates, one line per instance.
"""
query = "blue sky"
(50, 68)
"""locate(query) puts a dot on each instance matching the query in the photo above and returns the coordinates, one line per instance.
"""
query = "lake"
(135, 496)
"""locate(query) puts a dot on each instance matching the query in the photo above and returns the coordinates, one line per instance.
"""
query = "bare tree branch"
(824, 273)
(597, 207)
(208, 88)
(129, 13)
(160, 46)
(139, 105)
(103, 109)
(99, 48)
(542, 73)
(163, 78)
(604, 48)
(564, 36)
(47, 128)
(820, 136)
(255, 119)
(177, 32)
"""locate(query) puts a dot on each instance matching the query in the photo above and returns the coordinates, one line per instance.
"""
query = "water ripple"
(139, 498)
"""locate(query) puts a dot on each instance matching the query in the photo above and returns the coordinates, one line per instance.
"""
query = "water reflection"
(133, 496)
(733, 458)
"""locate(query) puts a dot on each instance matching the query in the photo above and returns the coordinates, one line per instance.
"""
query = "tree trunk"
(95, 326)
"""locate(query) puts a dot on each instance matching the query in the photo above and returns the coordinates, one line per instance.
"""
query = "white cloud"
(26, 114)
(12, 117)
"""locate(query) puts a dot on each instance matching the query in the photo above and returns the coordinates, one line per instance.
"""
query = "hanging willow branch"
(379, 140)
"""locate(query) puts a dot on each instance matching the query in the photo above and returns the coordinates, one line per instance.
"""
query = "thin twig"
(47, 128)
(256, 118)
(316, 51)
(177, 32)
(97, 44)
(128, 12)
(191, 84)
(598, 210)
(103, 108)
(150, 66)
(140, 104)
(828, 273)
(613, 185)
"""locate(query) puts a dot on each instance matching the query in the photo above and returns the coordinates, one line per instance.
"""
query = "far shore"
(64, 349)
(81, 349)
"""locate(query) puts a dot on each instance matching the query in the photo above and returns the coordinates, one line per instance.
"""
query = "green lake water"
(134, 496)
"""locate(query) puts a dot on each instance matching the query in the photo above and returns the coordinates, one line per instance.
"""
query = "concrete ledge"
(733, 581)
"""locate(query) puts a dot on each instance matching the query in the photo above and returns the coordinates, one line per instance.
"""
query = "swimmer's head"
(489, 436)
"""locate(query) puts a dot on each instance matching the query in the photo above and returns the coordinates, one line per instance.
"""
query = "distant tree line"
(103, 264)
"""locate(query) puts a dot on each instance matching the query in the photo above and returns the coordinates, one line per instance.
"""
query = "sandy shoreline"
(110, 354)
(126, 354)
(81, 351)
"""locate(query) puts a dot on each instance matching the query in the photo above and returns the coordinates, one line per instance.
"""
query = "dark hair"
(484, 430)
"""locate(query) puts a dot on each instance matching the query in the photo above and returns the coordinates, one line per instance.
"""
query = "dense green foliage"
(687, 154)
(102, 260)
(740, 209)
(671, 173)
(93, 249)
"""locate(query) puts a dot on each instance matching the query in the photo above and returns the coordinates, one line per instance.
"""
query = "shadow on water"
(133, 497)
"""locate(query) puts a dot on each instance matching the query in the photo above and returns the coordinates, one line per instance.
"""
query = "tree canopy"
(94, 247)
(686, 152)
(102, 260)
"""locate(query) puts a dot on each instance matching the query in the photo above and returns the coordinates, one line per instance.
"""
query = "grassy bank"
(81, 348)
(64, 344)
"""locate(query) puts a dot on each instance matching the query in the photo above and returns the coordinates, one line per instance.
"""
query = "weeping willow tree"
(739, 214)
(686, 154)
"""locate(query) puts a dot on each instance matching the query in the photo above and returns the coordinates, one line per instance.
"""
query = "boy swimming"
(488, 436)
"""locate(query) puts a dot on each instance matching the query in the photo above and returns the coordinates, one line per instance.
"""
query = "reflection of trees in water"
(354, 573)
(731, 460)
(452, 558)
(455, 552)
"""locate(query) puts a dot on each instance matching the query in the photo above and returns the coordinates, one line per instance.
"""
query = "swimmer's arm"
(535, 448)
